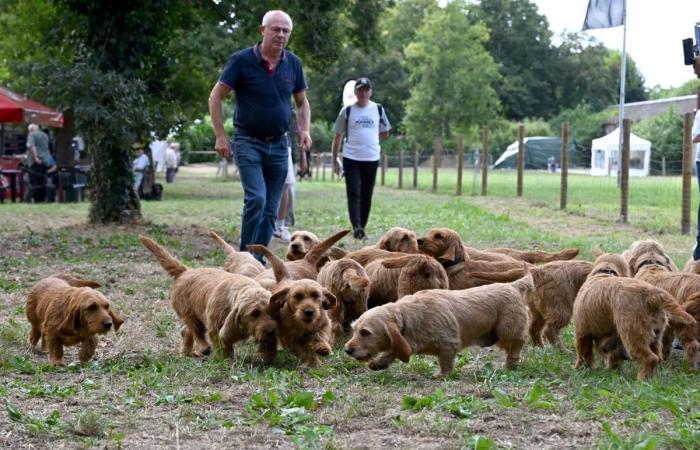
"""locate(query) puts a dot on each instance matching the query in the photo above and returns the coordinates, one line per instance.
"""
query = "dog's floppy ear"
(117, 319)
(399, 346)
(450, 253)
(277, 300)
(71, 320)
(329, 300)
(597, 250)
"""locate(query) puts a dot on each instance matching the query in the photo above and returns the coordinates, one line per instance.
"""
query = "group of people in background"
(141, 164)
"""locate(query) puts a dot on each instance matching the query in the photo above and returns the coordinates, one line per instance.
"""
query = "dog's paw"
(377, 365)
(323, 349)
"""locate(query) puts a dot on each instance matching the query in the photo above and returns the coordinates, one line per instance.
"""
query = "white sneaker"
(284, 234)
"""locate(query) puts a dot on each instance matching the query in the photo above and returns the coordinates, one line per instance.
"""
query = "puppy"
(685, 288)
(302, 241)
(215, 304)
(393, 278)
(398, 239)
(64, 310)
(442, 322)
(348, 282)
(300, 307)
(293, 270)
(609, 307)
(646, 252)
(242, 263)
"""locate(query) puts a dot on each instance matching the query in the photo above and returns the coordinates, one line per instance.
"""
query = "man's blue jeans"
(696, 251)
(263, 169)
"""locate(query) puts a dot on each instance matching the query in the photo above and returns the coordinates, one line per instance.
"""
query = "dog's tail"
(355, 281)
(278, 267)
(228, 249)
(526, 283)
(75, 281)
(336, 253)
(499, 277)
(669, 304)
(319, 249)
(171, 264)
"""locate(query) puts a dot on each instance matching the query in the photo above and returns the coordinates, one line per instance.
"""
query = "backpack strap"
(380, 110)
(347, 119)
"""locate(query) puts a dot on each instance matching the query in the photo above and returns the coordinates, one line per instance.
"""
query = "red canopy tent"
(17, 109)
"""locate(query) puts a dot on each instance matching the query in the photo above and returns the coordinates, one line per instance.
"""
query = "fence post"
(415, 166)
(384, 157)
(484, 160)
(400, 168)
(521, 158)
(317, 157)
(437, 146)
(564, 188)
(625, 172)
(460, 163)
(663, 166)
(687, 172)
(323, 166)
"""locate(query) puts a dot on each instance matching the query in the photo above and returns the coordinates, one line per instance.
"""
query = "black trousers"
(359, 185)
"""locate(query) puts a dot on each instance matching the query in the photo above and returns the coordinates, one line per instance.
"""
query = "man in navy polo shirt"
(264, 77)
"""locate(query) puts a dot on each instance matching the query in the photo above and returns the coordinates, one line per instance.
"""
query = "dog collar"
(608, 272)
(453, 267)
(649, 262)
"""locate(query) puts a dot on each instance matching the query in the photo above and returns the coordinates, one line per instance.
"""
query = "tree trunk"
(111, 184)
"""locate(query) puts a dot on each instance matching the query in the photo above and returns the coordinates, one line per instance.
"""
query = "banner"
(604, 14)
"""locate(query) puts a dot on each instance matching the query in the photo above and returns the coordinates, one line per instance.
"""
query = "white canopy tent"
(604, 155)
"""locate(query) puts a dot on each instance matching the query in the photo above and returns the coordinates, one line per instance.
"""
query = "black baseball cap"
(363, 81)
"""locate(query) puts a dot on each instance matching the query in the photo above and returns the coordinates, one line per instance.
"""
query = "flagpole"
(621, 114)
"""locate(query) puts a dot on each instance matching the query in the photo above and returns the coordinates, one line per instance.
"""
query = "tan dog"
(442, 322)
(300, 306)
(646, 252)
(64, 311)
(609, 308)
(215, 304)
(393, 278)
(242, 263)
(685, 288)
(348, 282)
(398, 239)
(302, 241)
(551, 303)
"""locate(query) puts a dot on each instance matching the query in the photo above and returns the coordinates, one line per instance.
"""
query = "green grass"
(138, 385)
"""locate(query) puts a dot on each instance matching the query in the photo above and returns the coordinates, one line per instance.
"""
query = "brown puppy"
(293, 270)
(64, 310)
(348, 281)
(215, 304)
(442, 322)
(393, 278)
(304, 327)
(552, 301)
(398, 239)
(685, 288)
(609, 307)
(302, 241)
(645, 252)
(242, 263)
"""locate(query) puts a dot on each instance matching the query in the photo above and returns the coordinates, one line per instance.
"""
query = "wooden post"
(625, 172)
(564, 188)
(687, 172)
(415, 166)
(460, 163)
(323, 166)
(663, 166)
(384, 158)
(318, 161)
(437, 146)
(521, 158)
(485, 160)
(400, 168)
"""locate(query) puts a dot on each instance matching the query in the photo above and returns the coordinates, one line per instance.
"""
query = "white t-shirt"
(696, 131)
(364, 126)
(170, 158)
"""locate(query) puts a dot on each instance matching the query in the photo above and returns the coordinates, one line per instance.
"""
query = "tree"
(452, 76)
(666, 135)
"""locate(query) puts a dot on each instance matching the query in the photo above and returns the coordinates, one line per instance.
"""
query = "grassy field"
(138, 392)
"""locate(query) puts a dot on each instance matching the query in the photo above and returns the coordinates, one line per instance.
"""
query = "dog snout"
(308, 312)
(296, 247)
(107, 324)
(270, 331)
(420, 241)
(349, 350)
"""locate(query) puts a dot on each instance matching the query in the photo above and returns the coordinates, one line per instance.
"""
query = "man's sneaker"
(284, 234)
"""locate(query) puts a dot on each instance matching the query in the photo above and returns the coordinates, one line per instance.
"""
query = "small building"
(604, 155)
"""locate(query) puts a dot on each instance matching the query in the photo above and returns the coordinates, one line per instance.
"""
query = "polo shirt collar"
(258, 54)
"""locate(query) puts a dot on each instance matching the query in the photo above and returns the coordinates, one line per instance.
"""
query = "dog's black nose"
(295, 247)
(349, 350)
(270, 332)
(309, 312)
(420, 241)
(107, 324)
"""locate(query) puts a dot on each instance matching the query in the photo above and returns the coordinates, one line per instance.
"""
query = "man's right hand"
(336, 167)
(222, 147)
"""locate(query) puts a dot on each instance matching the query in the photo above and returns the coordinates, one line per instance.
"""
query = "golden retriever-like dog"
(64, 310)
(611, 308)
(685, 288)
(300, 307)
(242, 263)
(393, 278)
(302, 241)
(398, 239)
(442, 322)
(648, 251)
(348, 282)
(214, 304)
(293, 270)
(551, 303)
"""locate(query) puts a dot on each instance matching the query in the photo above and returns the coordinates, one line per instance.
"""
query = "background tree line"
(134, 70)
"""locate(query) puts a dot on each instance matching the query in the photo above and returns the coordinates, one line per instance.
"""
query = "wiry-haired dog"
(242, 263)
(302, 241)
(64, 310)
(609, 308)
(442, 322)
(398, 239)
(213, 303)
(645, 252)
(348, 281)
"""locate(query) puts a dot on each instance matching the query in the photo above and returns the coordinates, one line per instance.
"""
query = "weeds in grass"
(90, 423)
(52, 423)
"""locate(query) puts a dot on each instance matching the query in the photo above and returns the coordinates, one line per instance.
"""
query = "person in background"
(363, 124)
(139, 167)
(38, 151)
(695, 137)
(265, 78)
(171, 162)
